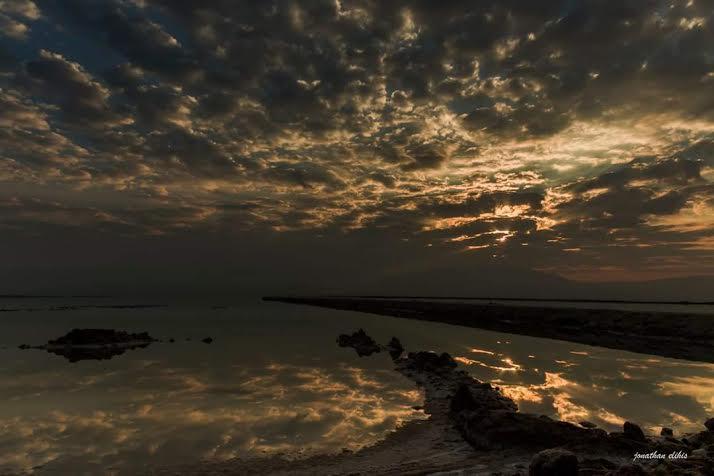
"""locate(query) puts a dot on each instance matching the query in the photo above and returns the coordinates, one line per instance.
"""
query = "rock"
(431, 361)
(207, 340)
(363, 344)
(24, 346)
(172, 340)
(628, 470)
(95, 344)
(633, 432)
(489, 429)
(587, 424)
(709, 424)
(698, 453)
(395, 349)
(553, 462)
(77, 337)
(666, 431)
(463, 400)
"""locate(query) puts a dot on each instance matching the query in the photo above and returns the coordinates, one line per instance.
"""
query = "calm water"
(275, 381)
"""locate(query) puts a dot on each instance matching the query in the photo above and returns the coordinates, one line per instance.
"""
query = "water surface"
(274, 381)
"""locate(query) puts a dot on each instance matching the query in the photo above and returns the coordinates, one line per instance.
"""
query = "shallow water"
(274, 380)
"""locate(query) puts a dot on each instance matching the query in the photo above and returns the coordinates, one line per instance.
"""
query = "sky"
(507, 147)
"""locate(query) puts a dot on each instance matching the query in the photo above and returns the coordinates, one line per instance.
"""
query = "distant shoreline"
(522, 299)
(668, 334)
(50, 296)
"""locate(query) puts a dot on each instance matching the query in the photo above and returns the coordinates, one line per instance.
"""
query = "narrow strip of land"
(675, 335)
(528, 299)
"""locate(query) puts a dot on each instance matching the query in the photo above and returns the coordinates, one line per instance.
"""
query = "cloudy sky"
(230, 142)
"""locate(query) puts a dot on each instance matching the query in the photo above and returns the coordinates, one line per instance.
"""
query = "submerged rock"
(553, 462)
(363, 344)
(633, 432)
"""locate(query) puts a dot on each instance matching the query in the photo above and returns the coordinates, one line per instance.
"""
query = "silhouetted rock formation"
(363, 344)
(94, 344)
(77, 337)
(207, 340)
(633, 432)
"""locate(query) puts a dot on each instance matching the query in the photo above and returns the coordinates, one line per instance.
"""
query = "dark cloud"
(82, 100)
(521, 128)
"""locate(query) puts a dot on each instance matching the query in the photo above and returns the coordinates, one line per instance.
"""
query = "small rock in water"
(552, 462)
(172, 340)
(633, 432)
(588, 424)
(666, 431)
(395, 348)
(363, 344)
(24, 346)
(207, 340)
(709, 424)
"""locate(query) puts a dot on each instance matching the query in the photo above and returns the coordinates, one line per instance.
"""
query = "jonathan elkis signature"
(655, 455)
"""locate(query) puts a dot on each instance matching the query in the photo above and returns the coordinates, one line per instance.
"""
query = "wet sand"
(674, 335)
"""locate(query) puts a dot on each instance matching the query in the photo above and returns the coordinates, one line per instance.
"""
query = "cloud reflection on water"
(255, 390)
(170, 412)
(582, 387)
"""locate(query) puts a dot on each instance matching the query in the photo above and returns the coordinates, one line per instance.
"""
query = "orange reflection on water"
(700, 388)
(512, 367)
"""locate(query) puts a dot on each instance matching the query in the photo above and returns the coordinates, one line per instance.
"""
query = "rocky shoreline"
(474, 429)
(673, 335)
